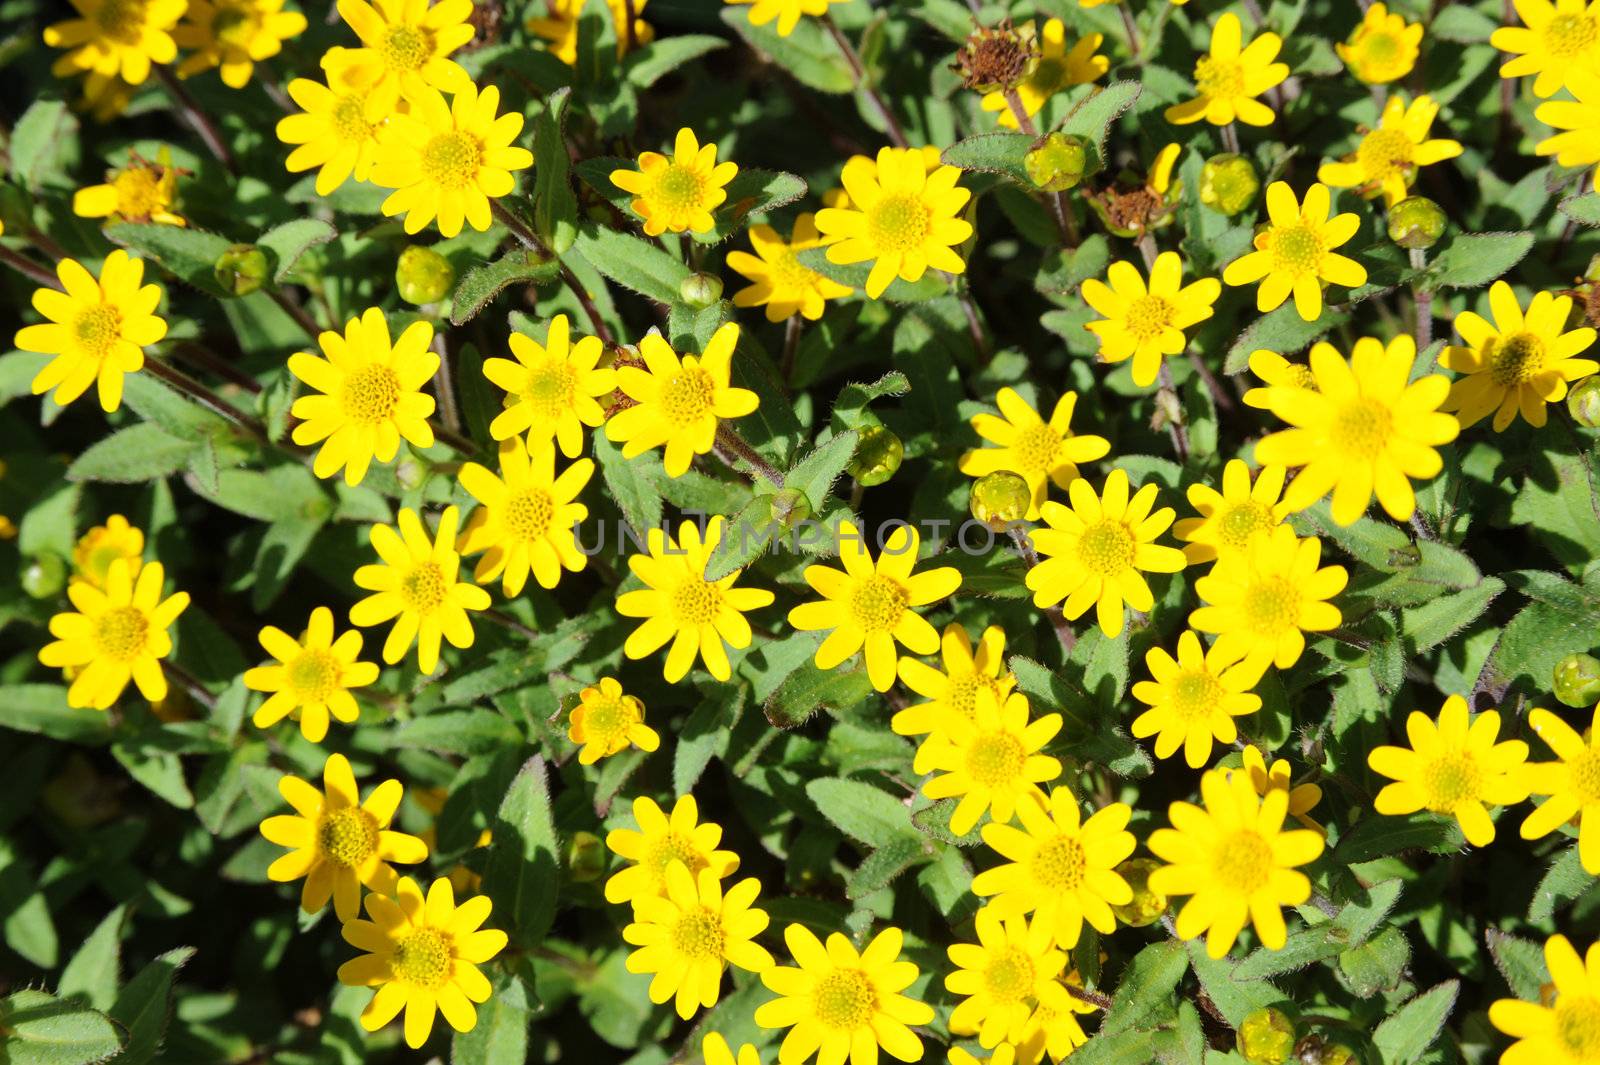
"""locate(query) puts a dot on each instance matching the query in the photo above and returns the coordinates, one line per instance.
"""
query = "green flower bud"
(1057, 162)
(586, 857)
(241, 269)
(878, 456)
(1228, 183)
(790, 507)
(1266, 1037)
(1416, 222)
(423, 275)
(1577, 680)
(700, 290)
(1584, 402)
(1146, 907)
(1000, 498)
(44, 576)
(1337, 1054)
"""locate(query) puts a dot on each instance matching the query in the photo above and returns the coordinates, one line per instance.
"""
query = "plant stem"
(201, 358)
(198, 120)
(1054, 200)
(974, 325)
(1254, 10)
(506, 621)
(182, 382)
(791, 345)
(528, 237)
(1094, 998)
(1058, 620)
(742, 450)
(1230, 138)
(1132, 28)
(851, 56)
(1422, 297)
(1219, 395)
(29, 269)
(444, 385)
(189, 683)
(631, 35)
(1169, 395)
(301, 316)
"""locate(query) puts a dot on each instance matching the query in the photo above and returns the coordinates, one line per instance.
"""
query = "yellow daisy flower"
(104, 544)
(423, 957)
(606, 721)
(336, 131)
(1230, 517)
(551, 389)
(1383, 48)
(689, 935)
(901, 216)
(447, 161)
(1518, 364)
(1228, 78)
(999, 978)
(368, 394)
(871, 605)
(679, 604)
(1579, 120)
(1143, 324)
(660, 841)
(716, 1051)
(1193, 699)
(992, 761)
(786, 12)
(1040, 452)
(1060, 868)
(1278, 371)
(405, 45)
(953, 690)
(1053, 1032)
(527, 518)
(1303, 798)
(1094, 552)
(677, 194)
(142, 191)
(779, 281)
(1557, 40)
(1236, 861)
(338, 842)
(116, 634)
(678, 403)
(1058, 68)
(1388, 158)
(1560, 1028)
(1453, 767)
(556, 21)
(928, 155)
(1294, 254)
(1572, 782)
(97, 329)
(116, 38)
(417, 584)
(234, 35)
(838, 1003)
(311, 679)
(1367, 429)
(1262, 602)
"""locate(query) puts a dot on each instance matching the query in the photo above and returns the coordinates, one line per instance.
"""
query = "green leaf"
(1472, 260)
(1376, 965)
(631, 262)
(1234, 997)
(1562, 883)
(501, 1035)
(43, 709)
(141, 452)
(555, 208)
(156, 401)
(1381, 836)
(190, 254)
(752, 192)
(1463, 24)
(808, 53)
(92, 974)
(1433, 623)
(994, 153)
(287, 242)
(1283, 331)
(659, 58)
(815, 474)
(519, 266)
(458, 732)
(143, 1006)
(1092, 118)
(809, 689)
(705, 734)
(42, 140)
(1520, 961)
(40, 1029)
(879, 869)
(863, 812)
(289, 493)
(523, 863)
(1147, 986)
(1405, 1036)
(849, 409)
(634, 484)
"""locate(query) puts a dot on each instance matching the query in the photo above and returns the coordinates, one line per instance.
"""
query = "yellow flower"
(838, 1003)
(368, 394)
(336, 131)
(1366, 429)
(779, 281)
(678, 403)
(1579, 143)
(1260, 603)
(1057, 69)
(1572, 782)
(104, 544)
(338, 842)
(1561, 1028)
(1193, 699)
(447, 161)
(1383, 48)
(1143, 324)
(1303, 798)
(551, 388)
(689, 935)
(1228, 79)
(1295, 253)
(142, 191)
(558, 24)
(97, 329)
(786, 12)
(871, 605)
(1388, 158)
(679, 604)
(116, 38)
(1051, 1031)
(1059, 867)
(1038, 451)
(714, 1048)
(999, 978)
(606, 721)
(992, 760)
(417, 584)
(312, 679)
(659, 842)
(1094, 552)
(1274, 369)
(527, 516)
(234, 35)
(116, 634)
(677, 194)
(1453, 767)
(405, 45)
(900, 215)
(1230, 517)
(953, 690)
(1558, 40)
(1518, 364)
(1236, 860)
(423, 957)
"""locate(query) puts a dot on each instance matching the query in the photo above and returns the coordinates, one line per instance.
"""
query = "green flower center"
(844, 999)
(425, 958)
(349, 117)
(607, 719)
(1036, 448)
(1379, 47)
(122, 20)
(1516, 359)
(1009, 977)
(995, 759)
(371, 394)
(1060, 864)
(1384, 153)
(528, 514)
(97, 330)
(1195, 695)
(1219, 78)
(347, 837)
(1106, 548)
(406, 48)
(233, 26)
(1148, 317)
(1237, 523)
(680, 189)
(1243, 862)
(697, 934)
(451, 160)
(550, 388)
(1362, 428)
(121, 633)
(879, 603)
(899, 223)
(423, 588)
(1577, 1024)
(1296, 249)
(671, 847)
(314, 675)
(1450, 780)
(1048, 76)
(1568, 36)
(687, 396)
(1271, 605)
(696, 602)
(962, 694)
(789, 272)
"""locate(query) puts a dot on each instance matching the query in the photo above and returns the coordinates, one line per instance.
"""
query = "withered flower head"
(997, 58)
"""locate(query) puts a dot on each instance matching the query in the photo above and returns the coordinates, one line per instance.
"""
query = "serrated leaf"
(995, 153)
(1520, 961)
(141, 452)
(520, 873)
(1472, 260)
(659, 58)
(289, 241)
(1563, 882)
(809, 689)
(862, 812)
(1584, 209)
(1405, 1036)
(1379, 837)
(1147, 987)
(501, 1035)
(519, 266)
(631, 262)
(41, 138)
(43, 709)
(879, 869)
(92, 974)
(1092, 118)
(751, 192)
(634, 484)
(465, 732)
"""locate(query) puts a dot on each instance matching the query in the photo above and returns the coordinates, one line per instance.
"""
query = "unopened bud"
(1146, 907)
(1337, 1054)
(1228, 183)
(1266, 1037)
(790, 507)
(423, 275)
(586, 857)
(43, 576)
(1058, 161)
(998, 499)
(1584, 403)
(1577, 680)
(1416, 222)
(242, 269)
(877, 457)
(700, 290)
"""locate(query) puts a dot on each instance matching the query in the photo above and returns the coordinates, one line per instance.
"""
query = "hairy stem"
(859, 71)
(741, 449)
(530, 239)
(35, 272)
(192, 113)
